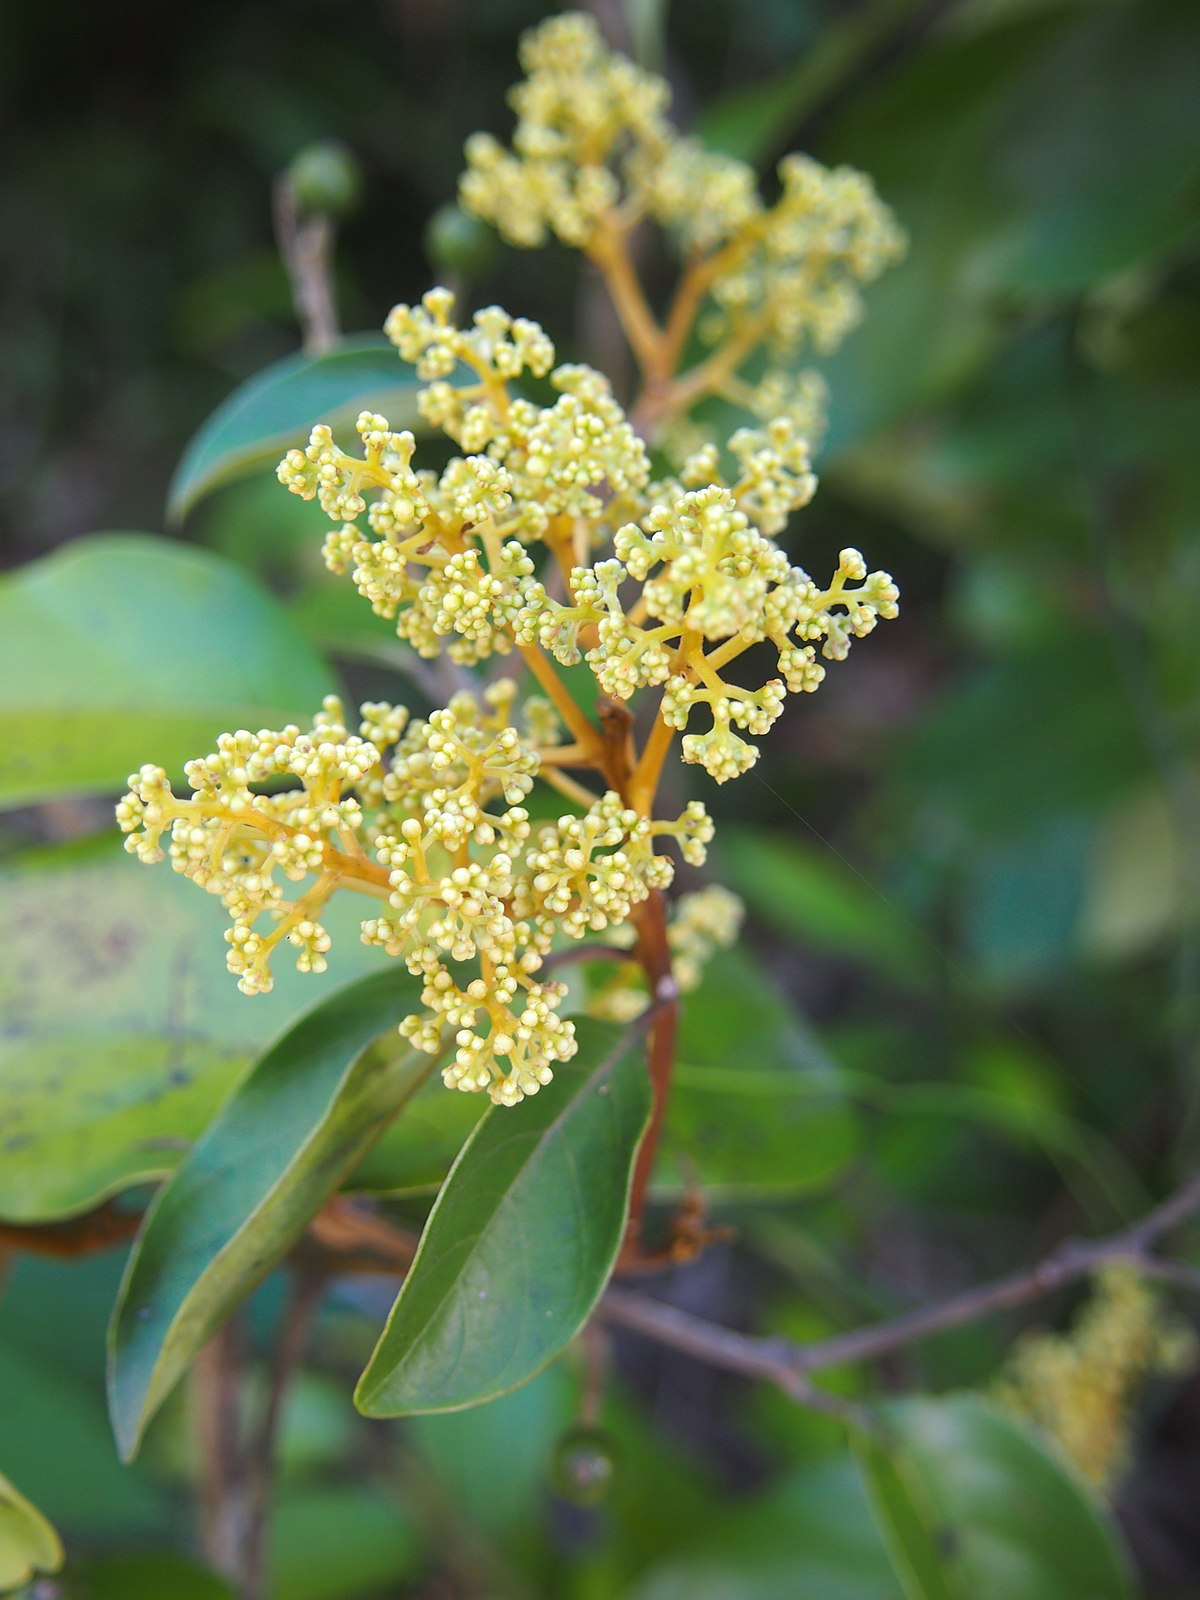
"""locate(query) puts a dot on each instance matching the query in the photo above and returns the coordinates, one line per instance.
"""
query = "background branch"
(787, 1363)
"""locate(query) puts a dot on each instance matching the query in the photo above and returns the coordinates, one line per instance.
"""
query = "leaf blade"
(121, 648)
(1008, 1515)
(28, 1542)
(281, 1145)
(455, 1307)
(123, 1030)
(276, 409)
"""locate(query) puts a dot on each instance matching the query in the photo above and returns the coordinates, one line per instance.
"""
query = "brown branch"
(586, 952)
(307, 1289)
(653, 952)
(359, 1240)
(787, 1364)
(306, 245)
(98, 1229)
(216, 1385)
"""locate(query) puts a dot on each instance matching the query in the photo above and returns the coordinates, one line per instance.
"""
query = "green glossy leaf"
(314, 1102)
(28, 1544)
(124, 649)
(812, 895)
(811, 1538)
(521, 1239)
(278, 408)
(959, 1482)
(907, 1521)
(123, 1031)
(418, 1149)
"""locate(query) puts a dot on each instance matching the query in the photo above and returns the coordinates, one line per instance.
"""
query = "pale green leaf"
(123, 1030)
(123, 649)
(28, 1544)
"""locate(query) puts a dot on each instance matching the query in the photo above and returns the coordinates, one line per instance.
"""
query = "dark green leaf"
(278, 408)
(123, 1030)
(124, 649)
(907, 1521)
(521, 1239)
(812, 1538)
(418, 1150)
(313, 1104)
(1002, 1515)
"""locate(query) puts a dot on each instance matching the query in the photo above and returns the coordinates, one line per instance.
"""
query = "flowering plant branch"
(667, 579)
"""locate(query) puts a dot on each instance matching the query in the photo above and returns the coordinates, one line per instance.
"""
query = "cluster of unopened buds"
(1082, 1387)
(550, 533)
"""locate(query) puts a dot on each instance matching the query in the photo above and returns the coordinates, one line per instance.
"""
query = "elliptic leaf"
(971, 1505)
(123, 649)
(279, 406)
(123, 1031)
(314, 1102)
(521, 1239)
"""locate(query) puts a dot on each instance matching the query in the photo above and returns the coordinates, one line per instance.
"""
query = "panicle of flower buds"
(1081, 1387)
(709, 578)
(437, 829)
(593, 150)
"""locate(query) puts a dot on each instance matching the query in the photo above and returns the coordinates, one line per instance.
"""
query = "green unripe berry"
(457, 243)
(584, 1466)
(326, 177)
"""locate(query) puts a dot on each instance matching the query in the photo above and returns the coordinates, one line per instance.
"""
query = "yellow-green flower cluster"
(445, 555)
(1081, 1387)
(593, 154)
(709, 578)
(426, 815)
(236, 842)
(545, 533)
(585, 116)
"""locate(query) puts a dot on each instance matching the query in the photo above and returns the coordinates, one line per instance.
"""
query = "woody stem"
(653, 952)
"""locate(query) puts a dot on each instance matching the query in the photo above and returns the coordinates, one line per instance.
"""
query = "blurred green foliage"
(972, 862)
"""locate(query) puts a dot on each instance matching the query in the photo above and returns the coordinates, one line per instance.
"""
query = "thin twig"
(304, 1298)
(216, 1391)
(306, 245)
(786, 1363)
(654, 955)
(586, 952)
